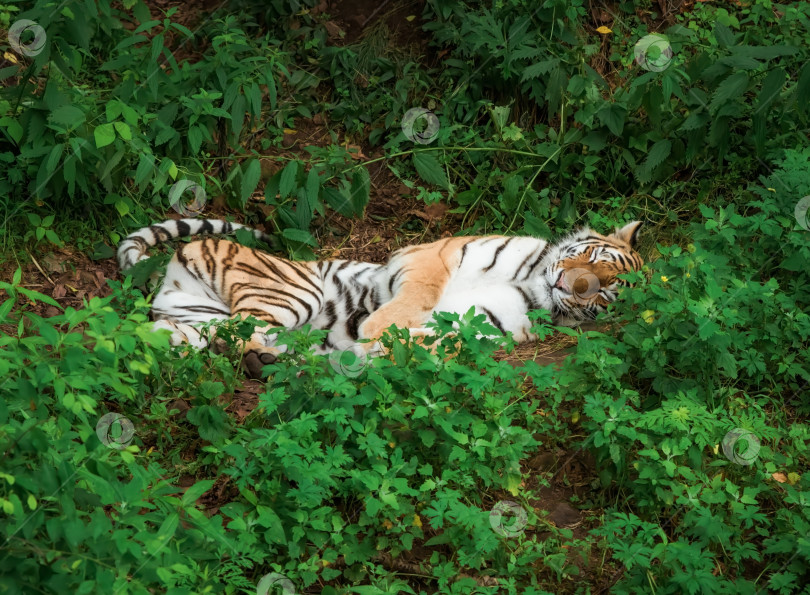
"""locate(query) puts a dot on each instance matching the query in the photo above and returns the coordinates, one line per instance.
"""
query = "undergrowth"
(129, 467)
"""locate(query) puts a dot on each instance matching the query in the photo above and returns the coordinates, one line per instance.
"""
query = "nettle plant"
(340, 470)
(714, 346)
(729, 93)
(344, 459)
(131, 132)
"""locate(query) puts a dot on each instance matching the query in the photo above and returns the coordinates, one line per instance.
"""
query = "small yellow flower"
(603, 30)
(664, 278)
(387, 524)
(391, 444)
(688, 275)
(417, 522)
(648, 316)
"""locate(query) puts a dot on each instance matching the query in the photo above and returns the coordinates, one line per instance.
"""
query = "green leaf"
(13, 128)
(313, 188)
(54, 157)
(731, 88)
(338, 201)
(299, 235)
(429, 169)
(360, 190)
(272, 93)
(195, 139)
(250, 179)
(613, 116)
(288, 179)
(104, 135)
(102, 251)
(540, 68)
(38, 297)
(124, 131)
(165, 533)
(5, 308)
(67, 115)
(724, 35)
(146, 166)
(658, 153)
(803, 89)
(193, 493)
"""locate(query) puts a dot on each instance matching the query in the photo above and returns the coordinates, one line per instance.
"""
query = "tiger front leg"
(410, 308)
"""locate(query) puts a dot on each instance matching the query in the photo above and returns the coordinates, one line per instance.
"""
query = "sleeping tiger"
(502, 277)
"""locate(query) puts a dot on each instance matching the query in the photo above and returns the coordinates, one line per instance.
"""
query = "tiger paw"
(256, 359)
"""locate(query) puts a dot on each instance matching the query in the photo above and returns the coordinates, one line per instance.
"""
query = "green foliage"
(105, 121)
(346, 471)
(708, 110)
(328, 471)
(717, 339)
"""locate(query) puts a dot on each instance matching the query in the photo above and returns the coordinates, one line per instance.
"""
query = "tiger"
(502, 277)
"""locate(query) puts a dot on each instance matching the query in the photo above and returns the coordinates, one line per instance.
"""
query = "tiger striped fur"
(502, 277)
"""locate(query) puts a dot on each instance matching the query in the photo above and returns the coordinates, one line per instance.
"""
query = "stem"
(529, 185)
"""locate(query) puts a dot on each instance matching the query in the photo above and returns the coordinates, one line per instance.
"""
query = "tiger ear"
(629, 233)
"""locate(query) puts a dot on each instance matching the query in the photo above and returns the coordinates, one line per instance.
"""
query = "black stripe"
(353, 323)
(331, 314)
(160, 233)
(497, 253)
(494, 320)
(526, 298)
(305, 276)
(183, 229)
(536, 262)
(206, 310)
(463, 253)
(522, 264)
(264, 295)
(260, 314)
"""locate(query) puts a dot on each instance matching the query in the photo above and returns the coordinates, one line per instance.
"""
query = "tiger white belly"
(504, 306)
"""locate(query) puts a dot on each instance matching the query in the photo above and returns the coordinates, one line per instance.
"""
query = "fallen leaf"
(603, 30)
(780, 477)
(436, 210)
(355, 152)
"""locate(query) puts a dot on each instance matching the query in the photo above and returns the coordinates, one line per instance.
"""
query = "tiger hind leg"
(181, 333)
(261, 350)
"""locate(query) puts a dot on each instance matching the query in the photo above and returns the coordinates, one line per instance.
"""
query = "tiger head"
(582, 272)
